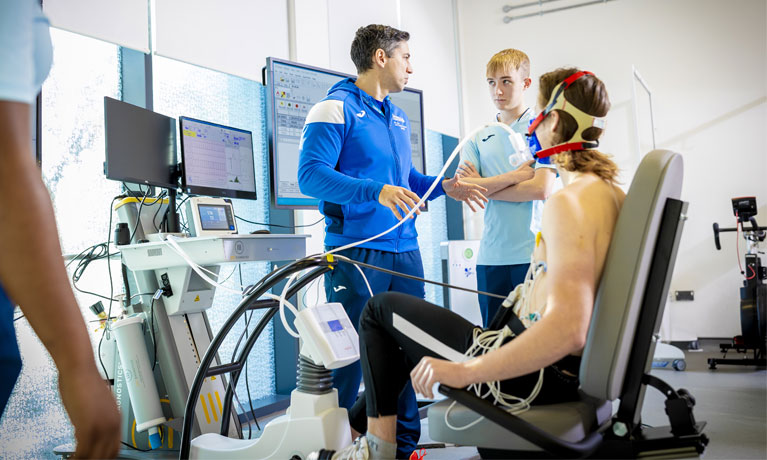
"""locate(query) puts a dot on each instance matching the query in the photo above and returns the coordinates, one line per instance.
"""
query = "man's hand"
(466, 192)
(525, 171)
(432, 370)
(467, 169)
(393, 197)
(93, 412)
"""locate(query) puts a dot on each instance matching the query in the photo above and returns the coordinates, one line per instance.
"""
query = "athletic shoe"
(357, 451)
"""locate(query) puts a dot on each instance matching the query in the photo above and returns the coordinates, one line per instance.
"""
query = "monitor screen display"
(292, 90)
(140, 145)
(216, 160)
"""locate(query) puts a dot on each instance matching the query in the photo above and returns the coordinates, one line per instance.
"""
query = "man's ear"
(379, 57)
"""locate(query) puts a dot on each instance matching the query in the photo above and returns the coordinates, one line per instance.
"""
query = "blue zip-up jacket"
(349, 150)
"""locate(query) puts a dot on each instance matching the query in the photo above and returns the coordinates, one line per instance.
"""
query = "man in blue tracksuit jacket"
(355, 156)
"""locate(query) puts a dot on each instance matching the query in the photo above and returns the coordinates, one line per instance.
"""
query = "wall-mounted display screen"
(292, 90)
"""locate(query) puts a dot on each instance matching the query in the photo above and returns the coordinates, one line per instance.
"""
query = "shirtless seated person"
(556, 299)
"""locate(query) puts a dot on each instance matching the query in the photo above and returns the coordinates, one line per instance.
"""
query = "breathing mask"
(584, 120)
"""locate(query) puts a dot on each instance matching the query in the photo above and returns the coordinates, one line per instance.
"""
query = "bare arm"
(468, 173)
(32, 273)
(537, 188)
(571, 278)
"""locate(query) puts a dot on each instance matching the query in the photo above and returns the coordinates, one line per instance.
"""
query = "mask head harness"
(584, 120)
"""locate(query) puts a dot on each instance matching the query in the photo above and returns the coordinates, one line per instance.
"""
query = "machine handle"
(716, 237)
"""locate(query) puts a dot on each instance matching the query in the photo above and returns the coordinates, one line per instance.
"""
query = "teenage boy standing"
(515, 189)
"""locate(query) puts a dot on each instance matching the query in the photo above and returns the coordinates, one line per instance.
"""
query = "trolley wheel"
(712, 364)
(679, 364)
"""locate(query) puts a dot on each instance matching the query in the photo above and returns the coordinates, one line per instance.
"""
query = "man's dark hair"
(370, 38)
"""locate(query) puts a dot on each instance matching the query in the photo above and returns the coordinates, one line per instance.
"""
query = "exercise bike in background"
(753, 294)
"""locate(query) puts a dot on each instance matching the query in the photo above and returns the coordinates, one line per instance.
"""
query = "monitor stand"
(173, 226)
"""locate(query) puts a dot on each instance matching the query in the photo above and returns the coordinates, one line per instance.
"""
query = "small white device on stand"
(210, 216)
(313, 421)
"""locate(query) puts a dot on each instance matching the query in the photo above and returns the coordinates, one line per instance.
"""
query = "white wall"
(706, 63)
(323, 33)
(432, 46)
(234, 36)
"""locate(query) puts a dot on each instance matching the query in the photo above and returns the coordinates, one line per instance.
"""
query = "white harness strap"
(424, 339)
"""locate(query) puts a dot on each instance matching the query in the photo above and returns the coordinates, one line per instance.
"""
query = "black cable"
(135, 448)
(404, 275)
(151, 327)
(93, 253)
(234, 352)
(80, 255)
(247, 386)
(17, 318)
(111, 289)
(180, 203)
(277, 225)
(160, 197)
(126, 285)
(184, 226)
(138, 215)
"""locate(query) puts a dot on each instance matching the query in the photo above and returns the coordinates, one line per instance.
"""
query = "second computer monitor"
(292, 90)
(140, 145)
(216, 160)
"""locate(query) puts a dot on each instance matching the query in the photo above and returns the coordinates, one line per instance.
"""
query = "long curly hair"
(588, 94)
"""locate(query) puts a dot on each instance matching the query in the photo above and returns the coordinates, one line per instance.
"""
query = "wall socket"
(680, 296)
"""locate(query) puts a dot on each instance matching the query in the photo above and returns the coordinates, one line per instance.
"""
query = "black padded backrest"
(622, 287)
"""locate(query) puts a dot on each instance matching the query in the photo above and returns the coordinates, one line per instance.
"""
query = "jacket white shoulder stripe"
(328, 111)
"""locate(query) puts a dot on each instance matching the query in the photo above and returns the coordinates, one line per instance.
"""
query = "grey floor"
(731, 399)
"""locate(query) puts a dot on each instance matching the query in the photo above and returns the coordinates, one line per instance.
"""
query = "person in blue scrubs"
(516, 191)
(355, 156)
(32, 272)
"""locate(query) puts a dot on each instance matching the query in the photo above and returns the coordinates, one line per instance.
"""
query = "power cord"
(160, 197)
(138, 216)
(156, 296)
(412, 277)
(96, 252)
(135, 448)
(277, 225)
(111, 288)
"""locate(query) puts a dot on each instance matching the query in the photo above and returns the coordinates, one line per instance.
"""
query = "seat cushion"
(568, 421)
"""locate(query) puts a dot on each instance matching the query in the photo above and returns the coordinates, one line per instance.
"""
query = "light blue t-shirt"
(25, 50)
(25, 59)
(510, 228)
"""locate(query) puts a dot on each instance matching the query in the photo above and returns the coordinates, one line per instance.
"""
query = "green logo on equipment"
(468, 253)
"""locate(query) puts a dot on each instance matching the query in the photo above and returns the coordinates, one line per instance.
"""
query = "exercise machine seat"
(604, 364)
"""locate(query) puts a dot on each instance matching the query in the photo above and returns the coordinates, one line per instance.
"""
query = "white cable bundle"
(486, 341)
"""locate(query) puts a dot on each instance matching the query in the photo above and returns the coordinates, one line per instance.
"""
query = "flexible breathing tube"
(434, 184)
(483, 342)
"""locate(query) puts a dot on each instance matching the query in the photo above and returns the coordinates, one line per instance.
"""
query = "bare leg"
(384, 427)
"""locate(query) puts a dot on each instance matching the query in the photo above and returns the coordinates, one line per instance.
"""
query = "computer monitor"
(140, 145)
(292, 90)
(216, 160)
